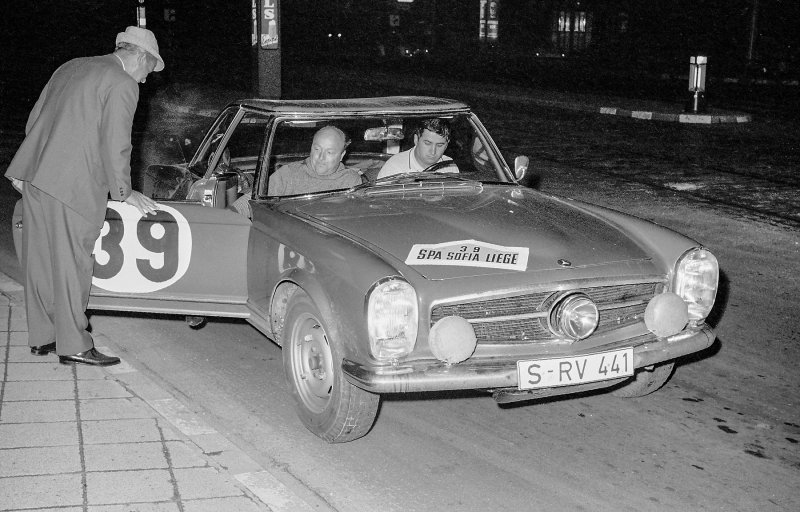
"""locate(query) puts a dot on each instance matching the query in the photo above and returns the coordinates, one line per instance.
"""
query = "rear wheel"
(326, 403)
(645, 381)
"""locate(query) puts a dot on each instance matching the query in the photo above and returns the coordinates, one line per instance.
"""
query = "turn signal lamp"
(392, 318)
(574, 317)
(695, 281)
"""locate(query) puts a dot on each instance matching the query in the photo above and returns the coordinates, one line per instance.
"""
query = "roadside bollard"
(697, 83)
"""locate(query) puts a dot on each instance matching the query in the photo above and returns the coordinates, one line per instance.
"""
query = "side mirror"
(521, 166)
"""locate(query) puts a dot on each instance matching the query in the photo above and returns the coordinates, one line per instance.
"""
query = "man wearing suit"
(76, 152)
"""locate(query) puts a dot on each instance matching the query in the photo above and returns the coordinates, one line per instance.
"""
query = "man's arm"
(393, 166)
(116, 146)
(277, 182)
(115, 137)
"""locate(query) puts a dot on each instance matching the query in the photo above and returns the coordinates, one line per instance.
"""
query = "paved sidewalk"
(81, 438)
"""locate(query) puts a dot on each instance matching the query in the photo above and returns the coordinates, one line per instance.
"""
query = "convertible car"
(453, 278)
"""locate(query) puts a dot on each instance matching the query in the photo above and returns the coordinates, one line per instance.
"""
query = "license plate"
(568, 371)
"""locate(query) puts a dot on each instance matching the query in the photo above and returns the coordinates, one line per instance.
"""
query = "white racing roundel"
(140, 254)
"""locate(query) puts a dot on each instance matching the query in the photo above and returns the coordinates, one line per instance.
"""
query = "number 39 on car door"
(193, 256)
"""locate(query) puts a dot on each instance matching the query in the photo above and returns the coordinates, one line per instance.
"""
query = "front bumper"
(498, 373)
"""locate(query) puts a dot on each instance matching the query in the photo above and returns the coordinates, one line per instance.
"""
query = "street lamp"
(697, 81)
(141, 20)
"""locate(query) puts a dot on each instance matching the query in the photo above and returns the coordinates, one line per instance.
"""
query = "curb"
(214, 447)
(680, 118)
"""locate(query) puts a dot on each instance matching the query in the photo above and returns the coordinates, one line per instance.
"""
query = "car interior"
(372, 141)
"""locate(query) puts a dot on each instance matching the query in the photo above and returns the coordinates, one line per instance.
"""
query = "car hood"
(497, 219)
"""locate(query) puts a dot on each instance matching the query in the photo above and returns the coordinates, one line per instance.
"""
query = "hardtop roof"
(378, 105)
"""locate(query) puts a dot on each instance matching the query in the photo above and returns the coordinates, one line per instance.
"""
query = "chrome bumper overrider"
(495, 373)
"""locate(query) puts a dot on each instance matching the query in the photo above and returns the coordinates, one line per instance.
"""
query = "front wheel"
(645, 381)
(326, 403)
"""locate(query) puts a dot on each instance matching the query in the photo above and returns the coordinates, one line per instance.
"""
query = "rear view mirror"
(384, 133)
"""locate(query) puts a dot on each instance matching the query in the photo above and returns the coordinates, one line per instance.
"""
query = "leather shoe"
(91, 356)
(43, 350)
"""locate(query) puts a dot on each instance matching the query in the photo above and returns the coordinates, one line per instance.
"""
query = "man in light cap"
(76, 153)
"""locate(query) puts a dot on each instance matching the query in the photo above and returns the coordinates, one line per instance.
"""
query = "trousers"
(57, 245)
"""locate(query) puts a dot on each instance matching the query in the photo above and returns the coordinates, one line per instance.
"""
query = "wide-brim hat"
(145, 40)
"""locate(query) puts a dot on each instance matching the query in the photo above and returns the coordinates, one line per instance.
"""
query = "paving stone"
(235, 461)
(29, 435)
(18, 338)
(22, 353)
(101, 389)
(44, 371)
(17, 320)
(125, 456)
(151, 485)
(239, 504)
(120, 431)
(183, 455)
(139, 507)
(168, 432)
(26, 492)
(196, 483)
(113, 408)
(59, 509)
(38, 390)
(39, 461)
(86, 372)
(38, 411)
(181, 417)
(142, 386)
(213, 443)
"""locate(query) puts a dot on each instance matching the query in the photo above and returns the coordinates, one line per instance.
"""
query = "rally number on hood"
(140, 254)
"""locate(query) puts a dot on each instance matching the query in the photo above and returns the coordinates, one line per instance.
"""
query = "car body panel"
(505, 216)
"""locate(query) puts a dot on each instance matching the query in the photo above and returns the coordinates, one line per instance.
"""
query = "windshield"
(335, 154)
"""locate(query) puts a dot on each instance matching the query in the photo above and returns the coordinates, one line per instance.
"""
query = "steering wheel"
(440, 165)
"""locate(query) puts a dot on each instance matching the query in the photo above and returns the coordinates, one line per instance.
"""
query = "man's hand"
(17, 184)
(143, 203)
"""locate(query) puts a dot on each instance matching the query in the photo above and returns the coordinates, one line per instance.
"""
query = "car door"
(191, 256)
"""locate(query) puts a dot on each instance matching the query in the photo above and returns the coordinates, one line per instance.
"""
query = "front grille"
(523, 318)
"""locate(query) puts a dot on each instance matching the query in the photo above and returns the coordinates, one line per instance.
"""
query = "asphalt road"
(721, 435)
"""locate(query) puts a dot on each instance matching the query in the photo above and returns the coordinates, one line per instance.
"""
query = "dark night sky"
(38, 35)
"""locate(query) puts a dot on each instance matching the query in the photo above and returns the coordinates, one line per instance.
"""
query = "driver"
(430, 141)
(323, 169)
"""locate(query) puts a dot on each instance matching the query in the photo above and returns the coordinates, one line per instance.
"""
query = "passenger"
(322, 170)
(430, 142)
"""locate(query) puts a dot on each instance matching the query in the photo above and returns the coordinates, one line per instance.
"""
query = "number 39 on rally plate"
(568, 371)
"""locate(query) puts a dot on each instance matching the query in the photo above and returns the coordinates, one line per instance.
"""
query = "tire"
(326, 403)
(645, 382)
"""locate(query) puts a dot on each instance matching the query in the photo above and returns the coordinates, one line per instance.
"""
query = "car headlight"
(392, 317)
(696, 277)
(574, 317)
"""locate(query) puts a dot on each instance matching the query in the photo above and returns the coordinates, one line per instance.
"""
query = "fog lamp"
(666, 314)
(452, 339)
(575, 317)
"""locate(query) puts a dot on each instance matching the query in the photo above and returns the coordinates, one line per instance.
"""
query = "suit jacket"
(77, 145)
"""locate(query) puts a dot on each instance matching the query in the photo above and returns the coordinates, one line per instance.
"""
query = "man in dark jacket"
(76, 152)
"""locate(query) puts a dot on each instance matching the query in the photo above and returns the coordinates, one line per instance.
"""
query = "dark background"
(636, 47)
